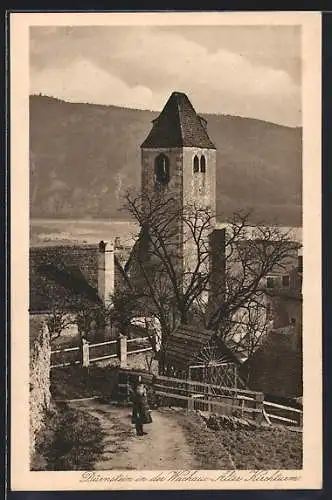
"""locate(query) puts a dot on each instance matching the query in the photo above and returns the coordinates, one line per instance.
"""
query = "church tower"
(179, 160)
(179, 156)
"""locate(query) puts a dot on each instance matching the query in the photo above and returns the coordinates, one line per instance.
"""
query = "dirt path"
(164, 447)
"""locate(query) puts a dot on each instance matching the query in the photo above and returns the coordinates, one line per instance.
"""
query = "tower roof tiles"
(178, 125)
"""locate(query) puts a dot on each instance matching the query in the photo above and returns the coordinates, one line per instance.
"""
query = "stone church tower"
(179, 155)
(179, 160)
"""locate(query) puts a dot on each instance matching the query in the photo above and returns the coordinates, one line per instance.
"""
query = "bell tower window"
(203, 164)
(161, 169)
(196, 165)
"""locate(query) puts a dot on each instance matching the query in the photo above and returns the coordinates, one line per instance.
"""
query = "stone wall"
(200, 187)
(40, 360)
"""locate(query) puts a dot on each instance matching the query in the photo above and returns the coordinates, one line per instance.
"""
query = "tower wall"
(148, 157)
(173, 189)
(185, 186)
(199, 190)
(203, 193)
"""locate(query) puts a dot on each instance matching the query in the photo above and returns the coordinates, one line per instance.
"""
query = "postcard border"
(154, 491)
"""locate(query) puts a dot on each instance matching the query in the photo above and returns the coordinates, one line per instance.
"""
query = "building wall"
(40, 361)
(284, 311)
(276, 367)
(217, 265)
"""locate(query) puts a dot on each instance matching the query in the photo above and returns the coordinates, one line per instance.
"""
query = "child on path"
(141, 412)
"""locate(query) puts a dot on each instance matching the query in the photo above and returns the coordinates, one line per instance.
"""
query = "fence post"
(301, 419)
(85, 353)
(123, 351)
(259, 405)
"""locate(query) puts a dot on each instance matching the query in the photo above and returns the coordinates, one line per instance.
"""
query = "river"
(68, 231)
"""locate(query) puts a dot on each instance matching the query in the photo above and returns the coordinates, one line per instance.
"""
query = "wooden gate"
(214, 368)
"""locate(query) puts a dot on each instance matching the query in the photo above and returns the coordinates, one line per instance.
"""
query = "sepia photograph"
(165, 326)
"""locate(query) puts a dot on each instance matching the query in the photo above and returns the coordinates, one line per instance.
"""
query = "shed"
(198, 354)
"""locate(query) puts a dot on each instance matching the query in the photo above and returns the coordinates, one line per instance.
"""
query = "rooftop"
(186, 342)
(63, 275)
(178, 125)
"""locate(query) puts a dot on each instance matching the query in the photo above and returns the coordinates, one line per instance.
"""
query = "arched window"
(161, 169)
(196, 165)
(203, 164)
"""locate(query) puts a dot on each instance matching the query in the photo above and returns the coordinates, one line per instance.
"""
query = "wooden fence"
(171, 391)
(277, 413)
(211, 398)
(86, 353)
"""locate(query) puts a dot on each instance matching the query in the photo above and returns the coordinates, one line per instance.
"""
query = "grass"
(255, 448)
(71, 440)
(270, 448)
(209, 451)
(75, 382)
(254, 445)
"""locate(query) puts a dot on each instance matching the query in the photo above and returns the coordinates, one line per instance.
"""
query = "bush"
(44, 439)
(75, 382)
(71, 441)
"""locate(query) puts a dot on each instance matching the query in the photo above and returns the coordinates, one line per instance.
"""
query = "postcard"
(166, 327)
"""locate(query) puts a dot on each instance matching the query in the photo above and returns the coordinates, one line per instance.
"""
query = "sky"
(251, 71)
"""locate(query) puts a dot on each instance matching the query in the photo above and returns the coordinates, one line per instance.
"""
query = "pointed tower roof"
(178, 125)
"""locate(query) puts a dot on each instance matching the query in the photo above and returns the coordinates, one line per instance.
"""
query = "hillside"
(83, 157)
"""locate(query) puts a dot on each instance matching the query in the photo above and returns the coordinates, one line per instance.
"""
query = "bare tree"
(171, 269)
(246, 330)
(87, 316)
(65, 309)
(90, 318)
(58, 320)
(57, 305)
(252, 252)
(124, 307)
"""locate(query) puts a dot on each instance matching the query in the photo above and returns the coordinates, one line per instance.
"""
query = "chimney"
(106, 273)
(217, 268)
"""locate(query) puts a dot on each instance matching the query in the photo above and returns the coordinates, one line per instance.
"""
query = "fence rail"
(108, 342)
(137, 345)
(65, 357)
(100, 351)
(281, 413)
(194, 383)
(275, 405)
(204, 397)
(282, 419)
(103, 351)
(68, 349)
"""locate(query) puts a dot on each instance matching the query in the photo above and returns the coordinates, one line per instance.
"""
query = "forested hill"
(83, 157)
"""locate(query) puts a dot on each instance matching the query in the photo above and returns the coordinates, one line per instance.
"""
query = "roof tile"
(178, 125)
